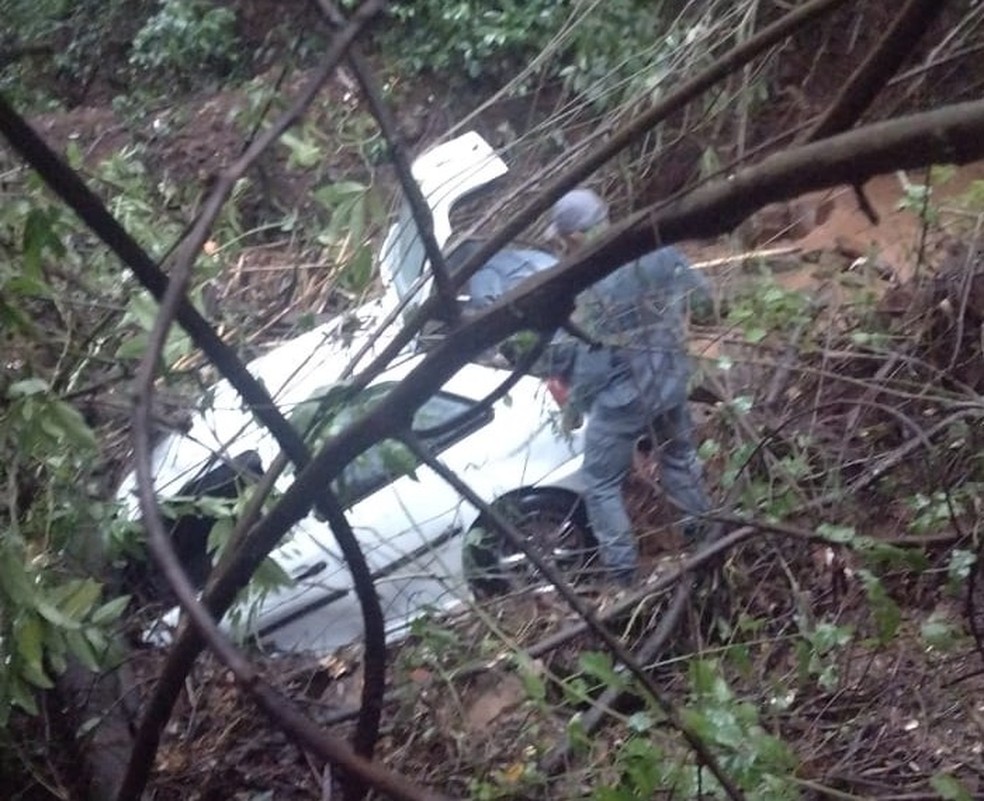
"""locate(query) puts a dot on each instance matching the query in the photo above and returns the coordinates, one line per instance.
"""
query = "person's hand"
(570, 419)
(559, 390)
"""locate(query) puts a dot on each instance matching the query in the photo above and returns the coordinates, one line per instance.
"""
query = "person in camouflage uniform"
(631, 382)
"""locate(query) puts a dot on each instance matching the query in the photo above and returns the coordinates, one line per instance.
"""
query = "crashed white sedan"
(427, 548)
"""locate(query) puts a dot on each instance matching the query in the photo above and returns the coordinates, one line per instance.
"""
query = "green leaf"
(110, 611)
(949, 788)
(532, 679)
(577, 736)
(52, 615)
(639, 722)
(143, 310)
(755, 334)
(34, 673)
(885, 610)
(133, 347)
(271, 575)
(703, 677)
(29, 286)
(303, 152)
(599, 665)
(80, 602)
(29, 386)
(938, 633)
(96, 638)
(28, 637)
(835, 533)
(82, 650)
(14, 579)
(959, 566)
(39, 235)
(828, 636)
(358, 274)
(22, 695)
(55, 648)
(218, 536)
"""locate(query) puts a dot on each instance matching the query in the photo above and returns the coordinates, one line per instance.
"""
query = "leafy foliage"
(67, 323)
(186, 38)
(591, 47)
(57, 44)
(47, 614)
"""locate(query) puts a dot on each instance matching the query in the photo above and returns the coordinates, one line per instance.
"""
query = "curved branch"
(955, 134)
(180, 660)
(625, 136)
(276, 706)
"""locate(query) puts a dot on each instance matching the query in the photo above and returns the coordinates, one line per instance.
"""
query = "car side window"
(388, 460)
(410, 254)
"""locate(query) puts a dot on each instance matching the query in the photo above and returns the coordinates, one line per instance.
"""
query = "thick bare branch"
(629, 134)
(913, 20)
(180, 661)
(954, 134)
(640, 126)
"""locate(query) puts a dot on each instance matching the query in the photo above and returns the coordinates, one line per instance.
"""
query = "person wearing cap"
(631, 380)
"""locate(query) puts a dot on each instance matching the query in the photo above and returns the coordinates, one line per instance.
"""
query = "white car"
(426, 547)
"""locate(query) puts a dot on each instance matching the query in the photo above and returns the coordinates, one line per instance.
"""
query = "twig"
(764, 253)
(516, 538)
(391, 132)
(864, 205)
(185, 651)
(781, 376)
(277, 707)
(629, 134)
(590, 721)
(909, 25)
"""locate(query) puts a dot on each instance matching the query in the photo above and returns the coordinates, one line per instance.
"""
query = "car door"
(445, 175)
(405, 519)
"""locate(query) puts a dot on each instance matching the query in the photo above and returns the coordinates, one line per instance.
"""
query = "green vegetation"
(53, 51)
(599, 50)
(186, 40)
(71, 331)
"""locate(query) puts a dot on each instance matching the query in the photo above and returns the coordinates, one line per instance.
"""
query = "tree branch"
(621, 653)
(542, 302)
(180, 660)
(421, 212)
(629, 134)
(861, 89)
(640, 126)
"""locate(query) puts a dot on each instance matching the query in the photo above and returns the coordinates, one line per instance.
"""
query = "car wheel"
(552, 519)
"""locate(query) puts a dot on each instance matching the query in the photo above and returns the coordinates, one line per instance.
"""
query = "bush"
(470, 36)
(186, 38)
(493, 41)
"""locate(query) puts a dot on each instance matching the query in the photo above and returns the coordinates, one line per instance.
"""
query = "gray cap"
(578, 210)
